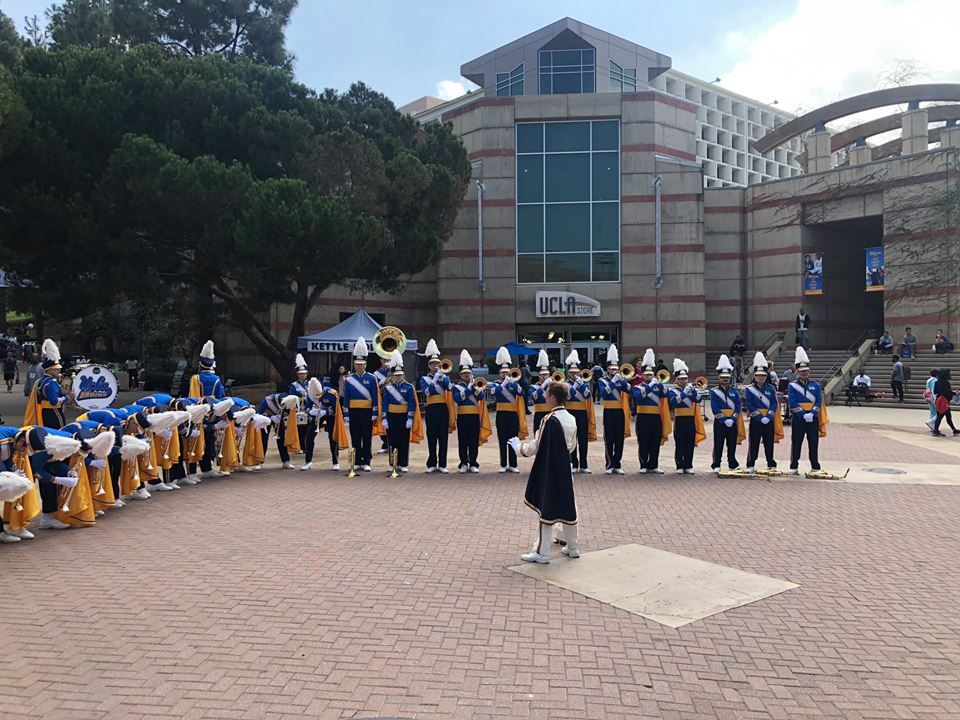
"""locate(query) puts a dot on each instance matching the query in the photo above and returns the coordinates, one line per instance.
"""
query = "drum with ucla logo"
(95, 386)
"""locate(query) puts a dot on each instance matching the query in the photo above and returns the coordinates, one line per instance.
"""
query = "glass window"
(622, 79)
(530, 178)
(530, 228)
(606, 175)
(568, 177)
(567, 71)
(568, 228)
(510, 83)
(568, 202)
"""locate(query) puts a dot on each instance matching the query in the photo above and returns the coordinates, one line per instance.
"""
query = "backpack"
(906, 372)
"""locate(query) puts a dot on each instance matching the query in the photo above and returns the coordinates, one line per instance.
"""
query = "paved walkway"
(289, 595)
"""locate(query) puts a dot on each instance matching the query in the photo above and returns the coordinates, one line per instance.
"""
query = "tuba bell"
(628, 371)
(663, 375)
(701, 383)
(446, 366)
(388, 340)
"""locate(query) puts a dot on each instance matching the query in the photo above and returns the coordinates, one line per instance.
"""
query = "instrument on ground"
(353, 467)
(824, 475)
(627, 371)
(557, 376)
(701, 383)
(663, 375)
(446, 366)
(586, 375)
(95, 386)
(395, 470)
(514, 374)
(480, 384)
(770, 472)
(739, 472)
(389, 339)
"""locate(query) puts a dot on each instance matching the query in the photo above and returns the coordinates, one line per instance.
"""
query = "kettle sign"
(96, 387)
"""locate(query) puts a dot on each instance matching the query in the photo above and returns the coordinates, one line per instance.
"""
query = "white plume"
(221, 408)
(396, 359)
(759, 361)
(161, 421)
(679, 365)
(801, 356)
(59, 447)
(50, 350)
(573, 359)
(290, 402)
(299, 363)
(543, 360)
(13, 486)
(314, 387)
(360, 349)
(613, 355)
(503, 357)
(242, 417)
(197, 412)
(179, 417)
(465, 359)
(432, 349)
(724, 363)
(102, 443)
(207, 350)
(260, 421)
(649, 359)
(132, 446)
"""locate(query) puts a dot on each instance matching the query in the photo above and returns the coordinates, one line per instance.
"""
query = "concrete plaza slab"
(667, 588)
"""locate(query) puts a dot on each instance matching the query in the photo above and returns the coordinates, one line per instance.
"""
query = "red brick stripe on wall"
(665, 197)
(769, 252)
(667, 248)
(925, 235)
(491, 152)
(455, 327)
(470, 302)
(482, 102)
(489, 202)
(653, 324)
(654, 299)
(723, 209)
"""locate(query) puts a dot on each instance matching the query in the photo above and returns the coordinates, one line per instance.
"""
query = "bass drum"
(96, 387)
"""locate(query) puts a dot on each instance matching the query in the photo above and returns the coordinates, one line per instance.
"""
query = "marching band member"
(97, 442)
(361, 394)
(511, 412)
(727, 417)
(206, 385)
(189, 440)
(766, 425)
(48, 449)
(382, 374)
(473, 423)
(277, 406)
(326, 411)
(614, 392)
(19, 508)
(808, 412)
(13, 486)
(299, 388)
(440, 412)
(161, 456)
(653, 415)
(550, 486)
(47, 400)
(240, 414)
(110, 419)
(688, 430)
(402, 413)
(580, 405)
(537, 392)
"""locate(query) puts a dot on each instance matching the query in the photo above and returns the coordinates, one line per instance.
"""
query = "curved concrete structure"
(937, 113)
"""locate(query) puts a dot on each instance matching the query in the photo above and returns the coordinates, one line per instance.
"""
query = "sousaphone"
(388, 340)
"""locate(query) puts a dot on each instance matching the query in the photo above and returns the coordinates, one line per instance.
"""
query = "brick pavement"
(284, 595)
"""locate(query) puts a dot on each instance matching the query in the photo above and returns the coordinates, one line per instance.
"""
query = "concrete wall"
(725, 255)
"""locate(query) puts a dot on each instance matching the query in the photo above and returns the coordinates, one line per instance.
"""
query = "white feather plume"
(131, 446)
(465, 359)
(207, 350)
(242, 417)
(221, 408)
(13, 486)
(60, 448)
(573, 358)
(503, 357)
(50, 351)
(543, 360)
(179, 417)
(360, 349)
(432, 349)
(396, 359)
(314, 387)
(299, 363)
(161, 421)
(613, 355)
(679, 365)
(759, 361)
(290, 402)
(649, 359)
(801, 356)
(260, 421)
(102, 443)
(197, 412)
(724, 363)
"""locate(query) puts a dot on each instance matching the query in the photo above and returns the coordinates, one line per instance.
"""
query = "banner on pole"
(874, 269)
(813, 274)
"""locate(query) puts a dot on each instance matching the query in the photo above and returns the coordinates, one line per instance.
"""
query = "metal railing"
(778, 336)
(852, 350)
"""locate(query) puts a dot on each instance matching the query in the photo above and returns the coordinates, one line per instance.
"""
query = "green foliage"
(10, 42)
(159, 178)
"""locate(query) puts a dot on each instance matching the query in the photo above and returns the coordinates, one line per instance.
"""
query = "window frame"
(510, 81)
(621, 77)
(547, 71)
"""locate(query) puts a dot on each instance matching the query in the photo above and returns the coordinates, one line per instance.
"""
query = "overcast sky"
(801, 53)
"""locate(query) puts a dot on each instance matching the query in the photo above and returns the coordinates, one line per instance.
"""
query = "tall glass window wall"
(568, 71)
(568, 201)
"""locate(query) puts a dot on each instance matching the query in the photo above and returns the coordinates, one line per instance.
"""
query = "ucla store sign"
(566, 305)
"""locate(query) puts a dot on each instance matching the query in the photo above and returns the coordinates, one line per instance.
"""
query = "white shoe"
(7, 538)
(656, 471)
(503, 469)
(214, 473)
(173, 485)
(99, 513)
(22, 533)
(258, 468)
(382, 451)
(618, 471)
(643, 471)
(403, 469)
(224, 473)
(608, 471)
(49, 522)
(287, 465)
(119, 504)
(570, 552)
(715, 471)
(431, 470)
(474, 470)
(161, 487)
(751, 471)
(574, 470)
(533, 557)
(442, 470)
(335, 467)
(188, 480)
(366, 468)
(689, 471)
(514, 470)
(462, 469)
(140, 494)
(586, 471)
(196, 478)
(306, 466)
(793, 471)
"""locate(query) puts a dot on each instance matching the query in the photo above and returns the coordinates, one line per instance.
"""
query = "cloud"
(828, 50)
(450, 89)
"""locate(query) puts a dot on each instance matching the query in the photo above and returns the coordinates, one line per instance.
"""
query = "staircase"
(878, 367)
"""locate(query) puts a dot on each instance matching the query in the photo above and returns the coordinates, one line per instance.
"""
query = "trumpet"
(394, 468)
(701, 383)
(663, 375)
(627, 371)
(586, 375)
(557, 376)
(514, 374)
(353, 467)
(446, 366)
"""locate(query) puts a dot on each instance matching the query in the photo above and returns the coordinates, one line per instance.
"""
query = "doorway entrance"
(590, 342)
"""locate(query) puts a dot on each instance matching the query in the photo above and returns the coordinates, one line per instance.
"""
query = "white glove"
(514, 442)
(409, 424)
(194, 433)
(313, 412)
(728, 422)
(386, 423)
(808, 416)
(617, 378)
(275, 419)
(222, 425)
(764, 419)
(373, 418)
(97, 463)
(437, 375)
(68, 481)
(346, 419)
(321, 412)
(546, 383)
(165, 434)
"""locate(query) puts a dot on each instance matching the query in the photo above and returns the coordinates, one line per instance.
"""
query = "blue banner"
(874, 269)
(813, 274)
